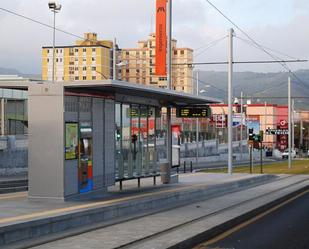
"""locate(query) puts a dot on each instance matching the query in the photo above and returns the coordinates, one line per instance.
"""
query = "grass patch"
(298, 167)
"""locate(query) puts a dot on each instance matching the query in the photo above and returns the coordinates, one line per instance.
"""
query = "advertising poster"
(238, 119)
(253, 122)
(71, 141)
(161, 40)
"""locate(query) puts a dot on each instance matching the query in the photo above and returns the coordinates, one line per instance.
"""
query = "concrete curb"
(30, 233)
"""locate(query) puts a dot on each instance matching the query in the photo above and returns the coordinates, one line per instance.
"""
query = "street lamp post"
(230, 104)
(54, 7)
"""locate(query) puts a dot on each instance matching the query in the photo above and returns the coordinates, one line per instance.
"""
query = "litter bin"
(165, 172)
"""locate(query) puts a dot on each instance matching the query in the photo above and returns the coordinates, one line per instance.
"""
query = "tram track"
(136, 243)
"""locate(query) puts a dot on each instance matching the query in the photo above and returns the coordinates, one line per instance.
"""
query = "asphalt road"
(285, 228)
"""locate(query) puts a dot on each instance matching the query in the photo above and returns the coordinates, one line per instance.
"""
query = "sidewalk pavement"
(23, 221)
(189, 225)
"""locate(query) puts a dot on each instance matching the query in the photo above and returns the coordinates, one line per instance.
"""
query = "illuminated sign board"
(277, 131)
(142, 112)
(193, 112)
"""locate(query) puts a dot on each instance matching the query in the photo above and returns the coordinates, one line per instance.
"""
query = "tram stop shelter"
(86, 135)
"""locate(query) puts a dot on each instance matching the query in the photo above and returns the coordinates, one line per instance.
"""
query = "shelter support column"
(167, 168)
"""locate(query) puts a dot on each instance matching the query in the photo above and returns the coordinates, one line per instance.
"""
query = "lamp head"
(54, 6)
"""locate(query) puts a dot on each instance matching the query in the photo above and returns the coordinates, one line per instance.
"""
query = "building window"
(84, 77)
(84, 49)
(127, 70)
(94, 68)
(84, 59)
(175, 52)
(127, 53)
(182, 52)
(93, 59)
(93, 50)
(76, 50)
(84, 68)
(47, 60)
(94, 77)
(137, 70)
(76, 78)
(57, 51)
(57, 60)
(60, 59)
(76, 68)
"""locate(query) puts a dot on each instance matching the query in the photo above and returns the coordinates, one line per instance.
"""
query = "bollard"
(184, 167)
(138, 182)
(191, 167)
(165, 172)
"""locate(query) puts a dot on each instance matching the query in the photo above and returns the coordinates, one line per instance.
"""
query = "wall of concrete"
(46, 141)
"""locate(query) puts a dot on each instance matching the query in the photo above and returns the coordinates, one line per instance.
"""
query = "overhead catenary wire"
(210, 45)
(268, 48)
(253, 41)
(206, 83)
(206, 47)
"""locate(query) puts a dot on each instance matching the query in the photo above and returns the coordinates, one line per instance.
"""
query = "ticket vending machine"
(85, 176)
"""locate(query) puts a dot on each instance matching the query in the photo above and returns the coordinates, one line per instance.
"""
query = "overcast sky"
(278, 24)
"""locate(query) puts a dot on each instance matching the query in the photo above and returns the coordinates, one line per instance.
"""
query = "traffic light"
(133, 138)
(118, 135)
(251, 135)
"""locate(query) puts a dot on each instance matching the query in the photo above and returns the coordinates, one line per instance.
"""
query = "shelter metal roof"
(164, 96)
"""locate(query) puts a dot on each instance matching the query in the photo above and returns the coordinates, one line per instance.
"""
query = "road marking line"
(248, 222)
(13, 196)
(92, 205)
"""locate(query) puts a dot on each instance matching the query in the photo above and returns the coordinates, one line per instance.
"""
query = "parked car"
(285, 154)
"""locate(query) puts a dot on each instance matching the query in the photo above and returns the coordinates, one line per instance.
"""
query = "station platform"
(29, 222)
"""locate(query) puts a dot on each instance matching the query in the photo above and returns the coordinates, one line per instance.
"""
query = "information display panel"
(193, 112)
(71, 141)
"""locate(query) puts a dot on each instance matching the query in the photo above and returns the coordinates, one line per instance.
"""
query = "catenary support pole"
(241, 123)
(293, 124)
(301, 133)
(230, 102)
(54, 40)
(169, 84)
(289, 122)
(2, 116)
(114, 60)
(169, 45)
(197, 120)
